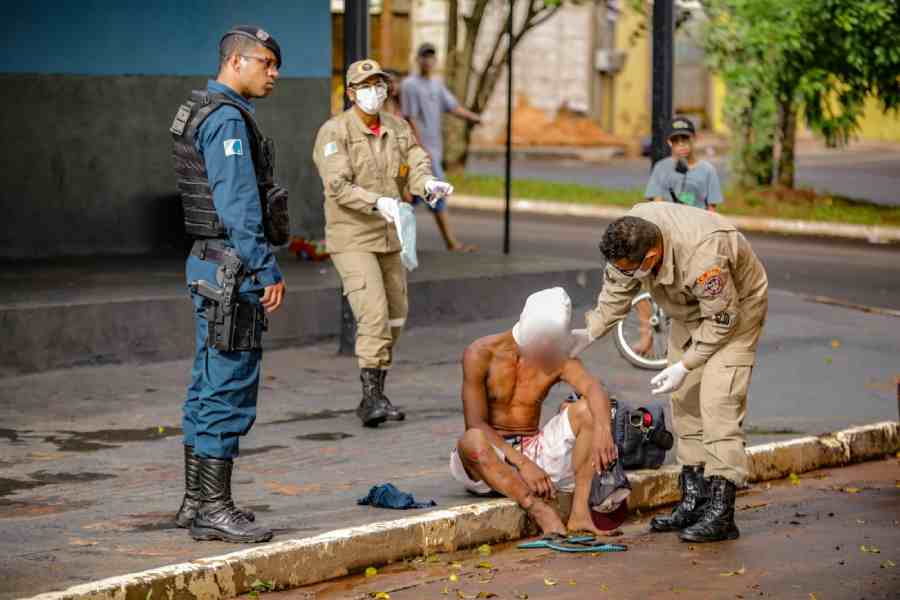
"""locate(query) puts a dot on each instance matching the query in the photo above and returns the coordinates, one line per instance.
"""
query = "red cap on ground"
(611, 520)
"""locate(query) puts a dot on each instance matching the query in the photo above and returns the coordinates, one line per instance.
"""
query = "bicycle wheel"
(628, 334)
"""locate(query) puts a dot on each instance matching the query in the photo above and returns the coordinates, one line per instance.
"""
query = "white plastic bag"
(406, 231)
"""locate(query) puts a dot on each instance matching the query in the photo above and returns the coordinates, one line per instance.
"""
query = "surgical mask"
(642, 274)
(371, 98)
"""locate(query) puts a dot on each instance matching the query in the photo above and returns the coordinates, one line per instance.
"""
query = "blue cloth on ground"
(386, 495)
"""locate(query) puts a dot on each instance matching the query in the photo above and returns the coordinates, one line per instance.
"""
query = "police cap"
(258, 35)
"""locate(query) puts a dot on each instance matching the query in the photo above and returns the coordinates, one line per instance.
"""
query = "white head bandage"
(547, 316)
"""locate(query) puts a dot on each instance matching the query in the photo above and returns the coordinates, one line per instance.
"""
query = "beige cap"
(362, 70)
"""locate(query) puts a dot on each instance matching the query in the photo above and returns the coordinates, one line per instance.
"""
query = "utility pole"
(356, 47)
(509, 111)
(663, 80)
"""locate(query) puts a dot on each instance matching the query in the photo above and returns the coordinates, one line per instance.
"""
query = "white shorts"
(550, 449)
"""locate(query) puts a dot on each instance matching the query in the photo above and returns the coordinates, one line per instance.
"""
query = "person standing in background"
(682, 177)
(423, 101)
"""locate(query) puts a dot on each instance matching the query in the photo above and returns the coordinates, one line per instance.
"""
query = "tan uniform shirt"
(709, 279)
(358, 167)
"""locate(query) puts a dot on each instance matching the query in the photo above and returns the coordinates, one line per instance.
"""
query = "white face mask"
(371, 98)
(642, 273)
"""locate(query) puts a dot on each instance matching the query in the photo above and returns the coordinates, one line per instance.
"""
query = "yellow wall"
(632, 86)
(878, 125)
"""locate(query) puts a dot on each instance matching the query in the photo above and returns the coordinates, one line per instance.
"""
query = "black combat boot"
(393, 413)
(371, 410)
(191, 501)
(693, 499)
(717, 522)
(217, 518)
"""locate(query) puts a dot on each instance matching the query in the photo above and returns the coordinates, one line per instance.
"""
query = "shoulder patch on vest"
(330, 148)
(233, 147)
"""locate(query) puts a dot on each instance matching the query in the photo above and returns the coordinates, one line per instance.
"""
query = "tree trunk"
(787, 140)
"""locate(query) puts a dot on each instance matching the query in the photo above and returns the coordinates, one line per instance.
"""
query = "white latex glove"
(438, 189)
(581, 339)
(389, 208)
(670, 379)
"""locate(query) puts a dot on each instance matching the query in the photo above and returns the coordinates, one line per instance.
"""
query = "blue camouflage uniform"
(221, 399)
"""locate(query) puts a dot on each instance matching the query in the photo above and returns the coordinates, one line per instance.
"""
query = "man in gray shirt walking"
(423, 101)
(681, 177)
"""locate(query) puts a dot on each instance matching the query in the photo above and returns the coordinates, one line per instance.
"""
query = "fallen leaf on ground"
(835, 344)
(381, 596)
(740, 571)
(888, 564)
(828, 360)
(456, 565)
(520, 595)
(445, 591)
(870, 549)
(464, 596)
(485, 565)
(573, 582)
(604, 588)
(453, 577)
(486, 595)
(860, 522)
(812, 596)
(432, 558)
(549, 581)
(794, 479)
(484, 550)
(160, 430)
(851, 490)
(371, 571)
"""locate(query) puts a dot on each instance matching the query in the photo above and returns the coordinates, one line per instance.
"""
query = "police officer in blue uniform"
(235, 213)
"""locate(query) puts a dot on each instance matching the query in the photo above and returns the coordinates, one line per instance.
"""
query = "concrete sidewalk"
(91, 462)
(834, 535)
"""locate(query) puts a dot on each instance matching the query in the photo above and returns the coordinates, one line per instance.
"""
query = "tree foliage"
(818, 58)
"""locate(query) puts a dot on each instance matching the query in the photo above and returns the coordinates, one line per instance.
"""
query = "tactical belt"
(211, 250)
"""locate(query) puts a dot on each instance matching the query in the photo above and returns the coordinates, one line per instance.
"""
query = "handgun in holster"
(235, 324)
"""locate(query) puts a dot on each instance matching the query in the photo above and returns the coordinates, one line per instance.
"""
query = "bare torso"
(515, 390)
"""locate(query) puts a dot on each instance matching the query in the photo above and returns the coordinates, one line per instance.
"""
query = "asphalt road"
(867, 175)
(858, 273)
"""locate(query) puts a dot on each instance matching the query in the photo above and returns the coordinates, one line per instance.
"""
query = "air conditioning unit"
(609, 61)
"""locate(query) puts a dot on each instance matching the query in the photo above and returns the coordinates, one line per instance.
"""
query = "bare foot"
(583, 523)
(546, 517)
(464, 248)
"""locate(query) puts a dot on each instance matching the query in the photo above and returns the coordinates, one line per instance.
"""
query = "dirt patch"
(532, 127)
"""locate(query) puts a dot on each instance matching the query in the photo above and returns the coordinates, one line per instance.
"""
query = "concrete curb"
(869, 233)
(293, 563)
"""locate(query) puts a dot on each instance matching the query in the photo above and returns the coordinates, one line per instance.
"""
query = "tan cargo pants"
(375, 286)
(708, 411)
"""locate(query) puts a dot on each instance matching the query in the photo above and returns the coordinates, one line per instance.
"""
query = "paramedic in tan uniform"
(705, 276)
(365, 158)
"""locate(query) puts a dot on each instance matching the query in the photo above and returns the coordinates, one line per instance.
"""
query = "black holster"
(235, 324)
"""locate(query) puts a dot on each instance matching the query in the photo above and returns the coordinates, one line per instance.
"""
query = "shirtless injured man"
(506, 378)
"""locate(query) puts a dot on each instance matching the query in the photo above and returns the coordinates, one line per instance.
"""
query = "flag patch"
(330, 148)
(234, 148)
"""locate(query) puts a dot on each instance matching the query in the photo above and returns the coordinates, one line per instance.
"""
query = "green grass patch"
(800, 204)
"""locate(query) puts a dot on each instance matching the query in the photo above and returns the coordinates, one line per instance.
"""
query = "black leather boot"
(371, 410)
(217, 518)
(393, 413)
(717, 523)
(191, 501)
(693, 499)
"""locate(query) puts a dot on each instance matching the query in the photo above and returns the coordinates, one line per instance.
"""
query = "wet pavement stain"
(325, 436)
(10, 509)
(85, 477)
(260, 450)
(310, 416)
(102, 439)
(11, 486)
(11, 435)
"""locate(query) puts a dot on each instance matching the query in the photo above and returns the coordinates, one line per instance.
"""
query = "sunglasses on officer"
(268, 63)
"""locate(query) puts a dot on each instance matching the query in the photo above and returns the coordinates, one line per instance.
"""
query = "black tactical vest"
(200, 218)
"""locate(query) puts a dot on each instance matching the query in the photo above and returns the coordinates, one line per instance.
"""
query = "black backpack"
(640, 433)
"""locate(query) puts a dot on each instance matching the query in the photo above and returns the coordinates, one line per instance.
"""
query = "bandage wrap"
(547, 315)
